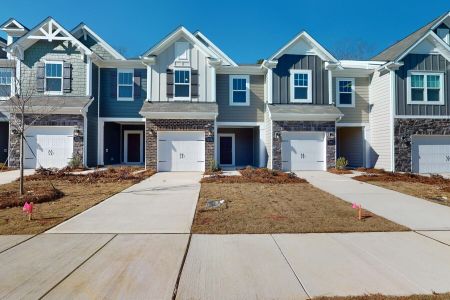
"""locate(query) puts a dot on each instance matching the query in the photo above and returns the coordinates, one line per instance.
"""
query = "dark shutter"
(67, 76)
(40, 76)
(169, 79)
(194, 83)
(137, 84)
(113, 89)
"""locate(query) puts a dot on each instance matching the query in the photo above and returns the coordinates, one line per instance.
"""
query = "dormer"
(442, 29)
(14, 30)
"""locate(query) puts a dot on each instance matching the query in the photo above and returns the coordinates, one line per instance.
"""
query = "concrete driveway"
(164, 203)
(10, 176)
(412, 212)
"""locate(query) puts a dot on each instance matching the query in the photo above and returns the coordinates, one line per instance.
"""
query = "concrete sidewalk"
(164, 203)
(412, 212)
(10, 176)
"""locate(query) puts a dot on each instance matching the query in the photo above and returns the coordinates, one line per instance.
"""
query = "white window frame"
(247, 90)
(181, 51)
(189, 84)
(45, 77)
(119, 85)
(292, 87)
(338, 93)
(425, 96)
(11, 84)
(444, 33)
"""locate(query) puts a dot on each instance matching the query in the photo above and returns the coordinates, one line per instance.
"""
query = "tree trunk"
(22, 137)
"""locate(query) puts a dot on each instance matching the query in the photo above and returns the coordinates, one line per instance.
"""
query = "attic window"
(182, 51)
(443, 33)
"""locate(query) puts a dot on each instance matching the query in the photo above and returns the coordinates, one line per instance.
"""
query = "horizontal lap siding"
(359, 113)
(252, 113)
(281, 75)
(421, 62)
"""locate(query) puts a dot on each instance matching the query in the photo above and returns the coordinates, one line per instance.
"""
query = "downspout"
(84, 111)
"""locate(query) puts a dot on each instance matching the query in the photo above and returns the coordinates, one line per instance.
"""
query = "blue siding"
(109, 106)
(92, 122)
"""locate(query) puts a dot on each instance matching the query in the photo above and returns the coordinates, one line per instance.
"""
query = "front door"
(133, 147)
(226, 151)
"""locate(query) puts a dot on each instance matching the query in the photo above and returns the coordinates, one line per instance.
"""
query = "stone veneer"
(77, 121)
(154, 125)
(279, 126)
(405, 128)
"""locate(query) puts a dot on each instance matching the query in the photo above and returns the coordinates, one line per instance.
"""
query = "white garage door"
(181, 151)
(48, 147)
(303, 151)
(431, 154)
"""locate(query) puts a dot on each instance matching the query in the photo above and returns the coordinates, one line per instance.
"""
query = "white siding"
(359, 113)
(380, 121)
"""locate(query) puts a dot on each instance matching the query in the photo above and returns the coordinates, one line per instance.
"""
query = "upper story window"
(182, 84)
(345, 92)
(125, 85)
(182, 51)
(239, 90)
(301, 86)
(53, 77)
(425, 88)
(5, 83)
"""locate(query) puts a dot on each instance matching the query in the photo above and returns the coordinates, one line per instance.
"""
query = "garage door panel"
(431, 154)
(303, 151)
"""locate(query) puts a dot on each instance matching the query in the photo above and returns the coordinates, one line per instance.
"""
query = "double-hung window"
(345, 92)
(182, 84)
(5, 83)
(125, 85)
(301, 86)
(425, 88)
(54, 78)
(239, 90)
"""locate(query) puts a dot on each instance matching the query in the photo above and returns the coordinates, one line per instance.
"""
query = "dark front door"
(134, 148)
(226, 150)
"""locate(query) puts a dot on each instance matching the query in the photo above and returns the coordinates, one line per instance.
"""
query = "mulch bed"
(261, 175)
(339, 171)
(35, 193)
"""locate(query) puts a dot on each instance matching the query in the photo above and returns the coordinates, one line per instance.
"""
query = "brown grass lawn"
(279, 208)
(78, 196)
(445, 296)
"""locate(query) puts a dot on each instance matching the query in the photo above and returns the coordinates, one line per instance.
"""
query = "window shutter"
(67, 76)
(169, 79)
(194, 83)
(113, 90)
(137, 84)
(40, 76)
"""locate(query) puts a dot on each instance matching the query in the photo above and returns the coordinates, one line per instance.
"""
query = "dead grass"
(435, 188)
(37, 192)
(444, 296)
(79, 195)
(339, 171)
(260, 175)
(281, 208)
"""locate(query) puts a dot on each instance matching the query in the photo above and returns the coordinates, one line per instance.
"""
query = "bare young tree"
(353, 49)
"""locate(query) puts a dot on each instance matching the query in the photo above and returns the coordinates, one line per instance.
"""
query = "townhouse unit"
(184, 105)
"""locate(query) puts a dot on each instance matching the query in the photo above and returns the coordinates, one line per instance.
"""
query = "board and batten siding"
(233, 113)
(421, 62)
(359, 113)
(166, 60)
(281, 78)
(380, 121)
(110, 107)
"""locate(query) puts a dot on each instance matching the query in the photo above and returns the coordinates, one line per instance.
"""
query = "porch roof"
(179, 110)
(49, 105)
(304, 112)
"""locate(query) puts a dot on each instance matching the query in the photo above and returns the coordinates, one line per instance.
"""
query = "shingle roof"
(393, 52)
(181, 109)
(50, 105)
(303, 111)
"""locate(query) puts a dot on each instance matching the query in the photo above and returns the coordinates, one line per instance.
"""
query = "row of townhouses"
(184, 105)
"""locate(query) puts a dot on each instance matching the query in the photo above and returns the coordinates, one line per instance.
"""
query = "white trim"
(446, 34)
(175, 98)
(125, 146)
(179, 115)
(330, 87)
(242, 124)
(213, 83)
(391, 118)
(88, 77)
(54, 62)
(262, 146)
(435, 38)
(119, 85)
(292, 87)
(247, 90)
(233, 149)
(11, 85)
(269, 86)
(122, 119)
(149, 83)
(216, 49)
(338, 93)
(351, 124)
(425, 88)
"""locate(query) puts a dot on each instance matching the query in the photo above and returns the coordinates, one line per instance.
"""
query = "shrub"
(75, 162)
(341, 163)
(213, 167)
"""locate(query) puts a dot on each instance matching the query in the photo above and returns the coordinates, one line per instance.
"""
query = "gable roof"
(84, 28)
(394, 51)
(60, 33)
(13, 25)
(214, 48)
(322, 52)
(174, 36)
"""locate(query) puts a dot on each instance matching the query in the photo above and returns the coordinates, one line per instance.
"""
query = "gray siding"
(56, 50)
(4, 136)
(359, 113)
(96, 47)
(281, 75)
(244, 146)
(421, 62)
(109, 106)
(252, 113)
(92, 121)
